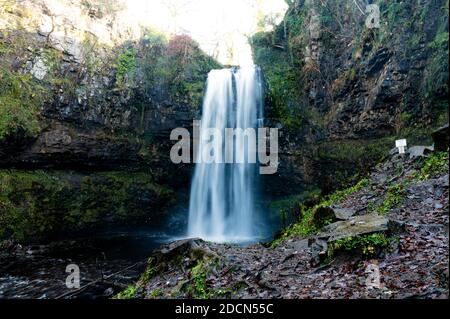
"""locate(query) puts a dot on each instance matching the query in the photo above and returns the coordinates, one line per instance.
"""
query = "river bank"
(386, 237)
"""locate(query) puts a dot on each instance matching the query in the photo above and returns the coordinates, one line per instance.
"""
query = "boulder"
(419, 151)
(343, 213)
(355, 226)
(298, 245)
(319, 249)
(190, 250)
(326, 214)
(323, 215)
(440, 138)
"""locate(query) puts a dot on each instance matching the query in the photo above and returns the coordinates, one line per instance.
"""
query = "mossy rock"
(40, 205)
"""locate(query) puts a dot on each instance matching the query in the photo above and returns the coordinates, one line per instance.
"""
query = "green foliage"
(288, 208)
(437, 79)
(440, 41)
(20, 99)
(436, 164)
(366, 244)
(198, 274)
(283, 84)
(128, 293)
(359, 152)
(198, 287)
(306, 225)
(125, 66)
(394, 197)
(340, 195)
(178, 66)
(393, 13)
(149, 272)
(132, 291)
(156, 293)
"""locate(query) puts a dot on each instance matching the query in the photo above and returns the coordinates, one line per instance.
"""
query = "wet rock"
(188, 250)
(177, 248)
(443, 181)
(344, 213)
(319, 249)
(108, 292)
(298, 245)
(355, 226)
(326, 214)
(441, 138)
(323, 216)
(59, 143)
(376, 63)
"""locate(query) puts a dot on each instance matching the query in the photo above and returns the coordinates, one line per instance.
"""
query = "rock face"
(84, 90)
(441, 138)
(344, 92)
(64, 146)
(42, 205)
(104, 95)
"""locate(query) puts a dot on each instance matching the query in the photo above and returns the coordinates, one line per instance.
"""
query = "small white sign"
(401, 145)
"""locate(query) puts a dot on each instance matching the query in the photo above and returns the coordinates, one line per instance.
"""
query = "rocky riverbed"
(386, 239)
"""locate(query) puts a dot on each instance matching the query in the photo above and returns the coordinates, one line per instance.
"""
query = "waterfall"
(222, 195)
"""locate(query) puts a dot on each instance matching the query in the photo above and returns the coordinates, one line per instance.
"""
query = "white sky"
(209, 22)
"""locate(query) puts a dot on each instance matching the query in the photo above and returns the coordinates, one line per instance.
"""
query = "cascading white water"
(222, 195)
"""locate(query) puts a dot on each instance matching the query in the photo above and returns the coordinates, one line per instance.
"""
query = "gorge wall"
(87, 103)
(88, 99)
(342, 92)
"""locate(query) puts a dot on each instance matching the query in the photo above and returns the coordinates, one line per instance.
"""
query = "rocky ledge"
(385, 238)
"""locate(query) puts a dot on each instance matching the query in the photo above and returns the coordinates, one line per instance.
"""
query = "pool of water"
(40, 271)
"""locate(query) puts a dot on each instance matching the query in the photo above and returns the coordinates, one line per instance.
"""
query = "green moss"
(289, 207)
(198, 273)
(125, 66)
(440, 41)
(20, 99)
(177, 65)
(283, 82)
(367, 245)
(197, 286)
(128, 293)
(394, 197)
(156, 293)
(37, 205)
(393, 13)
(149, 272)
